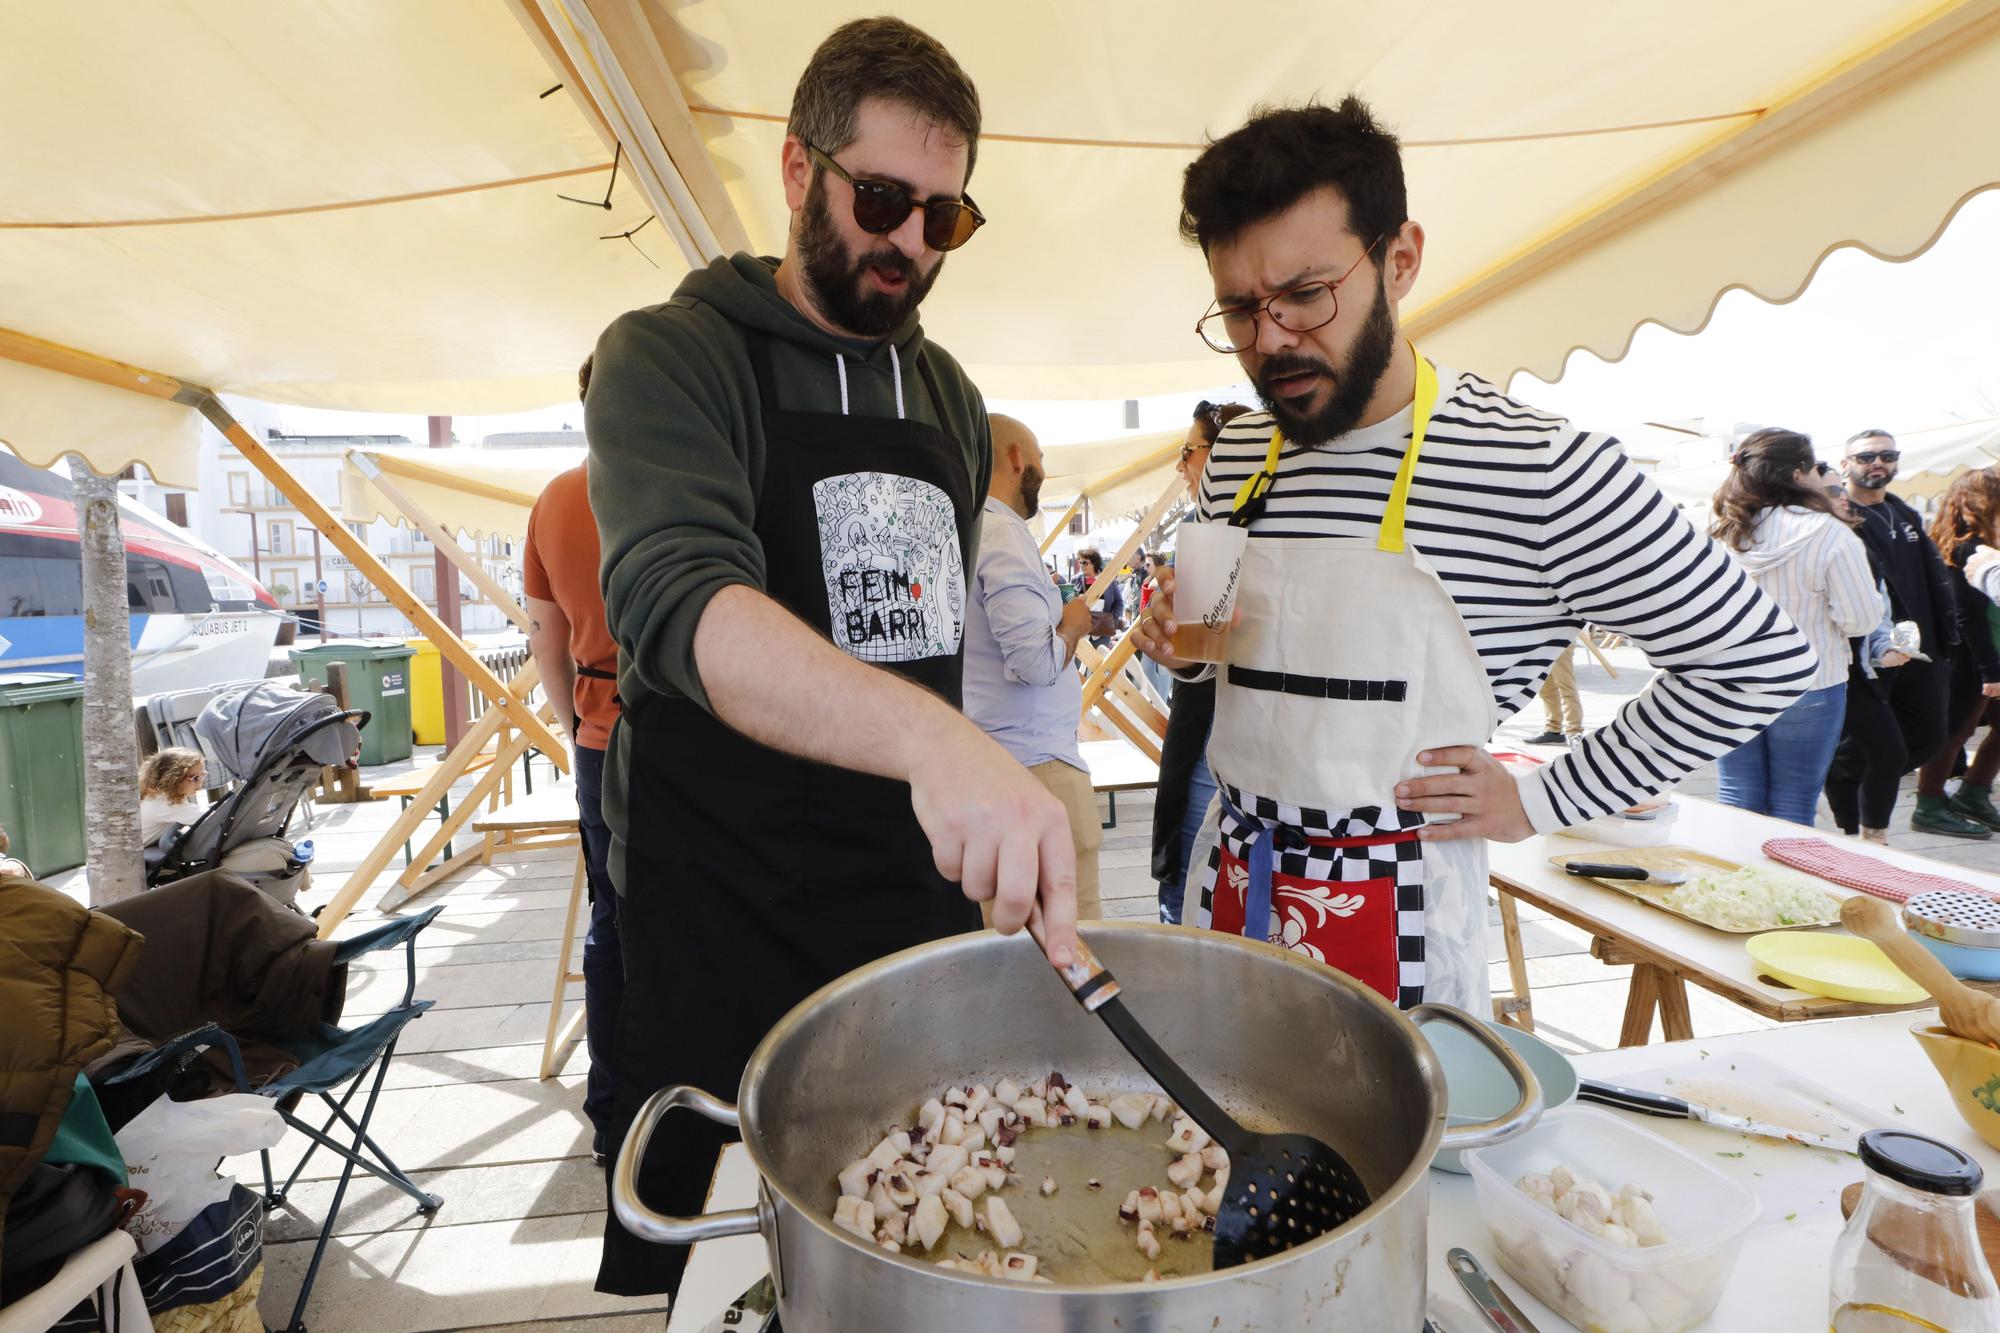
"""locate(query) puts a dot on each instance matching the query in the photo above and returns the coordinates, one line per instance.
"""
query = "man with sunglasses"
(787, 478)
(1873, 757)
(1420, 548)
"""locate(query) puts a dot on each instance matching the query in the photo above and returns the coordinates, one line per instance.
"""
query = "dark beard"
(836, 278)
(1031, 491)
(1353, 386)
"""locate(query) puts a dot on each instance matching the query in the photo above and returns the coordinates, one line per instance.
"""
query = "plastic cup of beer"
(1208, 560)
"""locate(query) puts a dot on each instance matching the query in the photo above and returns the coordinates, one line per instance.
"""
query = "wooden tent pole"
(1056, 528)
(1174, 490)
(78, 364)
(425, 619)
(447, 544)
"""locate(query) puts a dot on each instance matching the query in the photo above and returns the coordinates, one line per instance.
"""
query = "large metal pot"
(1282, 1042)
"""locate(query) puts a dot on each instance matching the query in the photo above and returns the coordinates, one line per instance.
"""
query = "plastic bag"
(171, 1150)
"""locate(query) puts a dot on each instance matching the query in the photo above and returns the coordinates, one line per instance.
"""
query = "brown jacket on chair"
(59, 966)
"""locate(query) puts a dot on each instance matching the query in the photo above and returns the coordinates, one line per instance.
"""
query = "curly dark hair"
(1967, 512)
(1762, 475)
(1212, 417)
(1283, 154)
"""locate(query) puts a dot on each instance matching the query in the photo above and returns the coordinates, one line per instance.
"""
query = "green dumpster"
(41, 769)
(378, 679)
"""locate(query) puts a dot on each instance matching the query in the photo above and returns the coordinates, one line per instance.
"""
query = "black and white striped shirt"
(1534, 528)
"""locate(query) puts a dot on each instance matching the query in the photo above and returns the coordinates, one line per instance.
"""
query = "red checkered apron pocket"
(1352, 925)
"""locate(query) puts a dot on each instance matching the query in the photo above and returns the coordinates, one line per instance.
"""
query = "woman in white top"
(1785, 530)
(170, 791)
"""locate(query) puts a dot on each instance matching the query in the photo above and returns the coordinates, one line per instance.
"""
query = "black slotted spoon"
(1283, 1190)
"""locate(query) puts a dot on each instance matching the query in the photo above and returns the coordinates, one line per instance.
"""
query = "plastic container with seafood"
(1595, 1283)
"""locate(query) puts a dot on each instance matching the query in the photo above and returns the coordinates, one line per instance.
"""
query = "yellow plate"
(1840, 967)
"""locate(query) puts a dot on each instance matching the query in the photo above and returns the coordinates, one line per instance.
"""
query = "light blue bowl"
(1477, 1086)
(1963, 960)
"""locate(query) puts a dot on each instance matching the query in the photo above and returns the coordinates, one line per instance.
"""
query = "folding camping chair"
(330, 1058)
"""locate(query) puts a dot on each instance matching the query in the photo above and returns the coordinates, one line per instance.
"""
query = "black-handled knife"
(1674, 1108)
(1613, 870)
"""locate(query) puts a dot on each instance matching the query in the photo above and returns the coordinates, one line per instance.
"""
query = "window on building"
(288, 586)
(279, 537)
(239, 489)
(423, 582)
(177, 508)
(359, 527)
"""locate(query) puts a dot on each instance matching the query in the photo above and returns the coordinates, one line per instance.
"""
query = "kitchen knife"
(1609, 870)
(1673, 1108)
(1495, 1304)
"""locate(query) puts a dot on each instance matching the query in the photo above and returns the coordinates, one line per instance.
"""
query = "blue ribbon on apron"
(1260, 846)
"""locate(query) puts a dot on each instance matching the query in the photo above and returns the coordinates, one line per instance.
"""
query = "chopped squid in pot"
(915, 1186)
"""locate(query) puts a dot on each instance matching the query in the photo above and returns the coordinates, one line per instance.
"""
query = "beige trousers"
(1071, 786)
(1560, 701)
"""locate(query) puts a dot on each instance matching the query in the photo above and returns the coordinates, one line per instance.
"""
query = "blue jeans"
(1201, 790)
(603, 968)
(1780, 772)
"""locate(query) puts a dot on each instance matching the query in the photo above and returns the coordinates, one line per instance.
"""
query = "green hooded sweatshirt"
(677, 454)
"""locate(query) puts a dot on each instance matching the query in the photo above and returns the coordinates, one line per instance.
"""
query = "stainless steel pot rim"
(1413, 1175)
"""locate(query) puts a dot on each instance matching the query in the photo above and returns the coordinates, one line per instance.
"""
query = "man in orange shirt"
(579, 663)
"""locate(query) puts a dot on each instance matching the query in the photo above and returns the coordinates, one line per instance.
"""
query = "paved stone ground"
(516, 1241)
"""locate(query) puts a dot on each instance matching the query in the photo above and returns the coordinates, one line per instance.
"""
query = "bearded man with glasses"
(1896, 714)
(787, 479)
(1420, 548)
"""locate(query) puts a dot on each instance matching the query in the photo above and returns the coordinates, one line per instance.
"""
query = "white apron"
(1350, 659)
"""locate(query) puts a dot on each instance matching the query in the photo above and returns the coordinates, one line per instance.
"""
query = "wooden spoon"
(1966, 1012)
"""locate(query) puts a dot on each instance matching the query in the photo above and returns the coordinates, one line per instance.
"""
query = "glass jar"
(1909, 1260)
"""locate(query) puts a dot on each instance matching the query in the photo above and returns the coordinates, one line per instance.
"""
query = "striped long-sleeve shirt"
(1536, 527)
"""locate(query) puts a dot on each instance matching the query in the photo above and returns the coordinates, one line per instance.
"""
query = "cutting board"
(1687, 861)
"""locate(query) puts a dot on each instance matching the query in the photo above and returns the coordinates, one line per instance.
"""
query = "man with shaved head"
(1020, 644)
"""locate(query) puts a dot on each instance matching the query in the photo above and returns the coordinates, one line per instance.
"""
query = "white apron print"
(895, 574)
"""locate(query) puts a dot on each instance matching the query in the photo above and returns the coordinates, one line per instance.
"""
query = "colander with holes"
(1961, 927)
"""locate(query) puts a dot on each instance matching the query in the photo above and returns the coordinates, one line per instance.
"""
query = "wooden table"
(1665, 951)
(1875, 1072)
(547, 819)
(1117, 766)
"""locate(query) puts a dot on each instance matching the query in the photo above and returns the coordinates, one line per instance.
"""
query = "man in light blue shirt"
(1021, 685)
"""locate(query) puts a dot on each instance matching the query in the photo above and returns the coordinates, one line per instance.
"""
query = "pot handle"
(1527, 1110)
(657, 1227)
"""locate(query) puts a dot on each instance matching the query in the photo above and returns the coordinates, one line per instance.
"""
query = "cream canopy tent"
(481, 492)
(356, 205)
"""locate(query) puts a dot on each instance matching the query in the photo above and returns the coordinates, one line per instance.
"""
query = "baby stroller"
(272, 740)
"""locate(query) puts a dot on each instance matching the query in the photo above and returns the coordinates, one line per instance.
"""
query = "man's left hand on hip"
(1482, 794)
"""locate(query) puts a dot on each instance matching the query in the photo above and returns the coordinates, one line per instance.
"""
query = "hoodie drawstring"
(895, 366)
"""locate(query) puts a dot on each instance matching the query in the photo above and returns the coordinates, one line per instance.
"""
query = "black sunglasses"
(881, 206)
(1871, 455)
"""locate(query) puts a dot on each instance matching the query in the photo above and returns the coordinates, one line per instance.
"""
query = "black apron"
(752, 878)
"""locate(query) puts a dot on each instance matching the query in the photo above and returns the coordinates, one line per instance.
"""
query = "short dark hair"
(1870, 434)
(890, 59)
(1091, 554)
(583, 376)
(1285, 153)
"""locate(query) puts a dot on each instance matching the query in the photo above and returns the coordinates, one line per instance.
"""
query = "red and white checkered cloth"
(1817, 856)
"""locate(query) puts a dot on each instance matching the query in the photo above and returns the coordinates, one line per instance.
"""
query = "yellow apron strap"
(1391, 539)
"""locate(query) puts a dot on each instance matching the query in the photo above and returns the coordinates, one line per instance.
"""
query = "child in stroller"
(272, 740)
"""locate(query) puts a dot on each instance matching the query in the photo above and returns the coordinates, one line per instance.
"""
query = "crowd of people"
(1901, 618)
